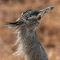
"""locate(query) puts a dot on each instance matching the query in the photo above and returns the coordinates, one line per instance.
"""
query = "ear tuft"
(11, 25)
(14, 24)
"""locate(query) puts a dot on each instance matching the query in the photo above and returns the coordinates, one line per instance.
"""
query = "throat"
(26, 33)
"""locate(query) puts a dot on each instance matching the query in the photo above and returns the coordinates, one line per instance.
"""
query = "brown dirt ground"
(48, 31)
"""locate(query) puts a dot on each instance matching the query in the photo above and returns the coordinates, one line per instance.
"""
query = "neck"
(31, 45)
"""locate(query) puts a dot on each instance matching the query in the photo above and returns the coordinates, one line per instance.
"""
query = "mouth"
(51, 7)
(47, 9)
(42, 12)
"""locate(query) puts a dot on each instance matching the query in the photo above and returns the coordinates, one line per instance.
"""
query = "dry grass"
(48, 31)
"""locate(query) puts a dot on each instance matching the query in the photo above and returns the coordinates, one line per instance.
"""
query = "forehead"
(31, 12)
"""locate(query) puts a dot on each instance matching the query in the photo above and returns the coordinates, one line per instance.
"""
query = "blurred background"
(48, 31)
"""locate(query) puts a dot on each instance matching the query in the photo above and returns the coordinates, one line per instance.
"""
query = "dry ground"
(48, 31)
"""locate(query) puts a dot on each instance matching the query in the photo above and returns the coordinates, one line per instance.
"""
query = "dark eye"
(34, 13)
(39, 17)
